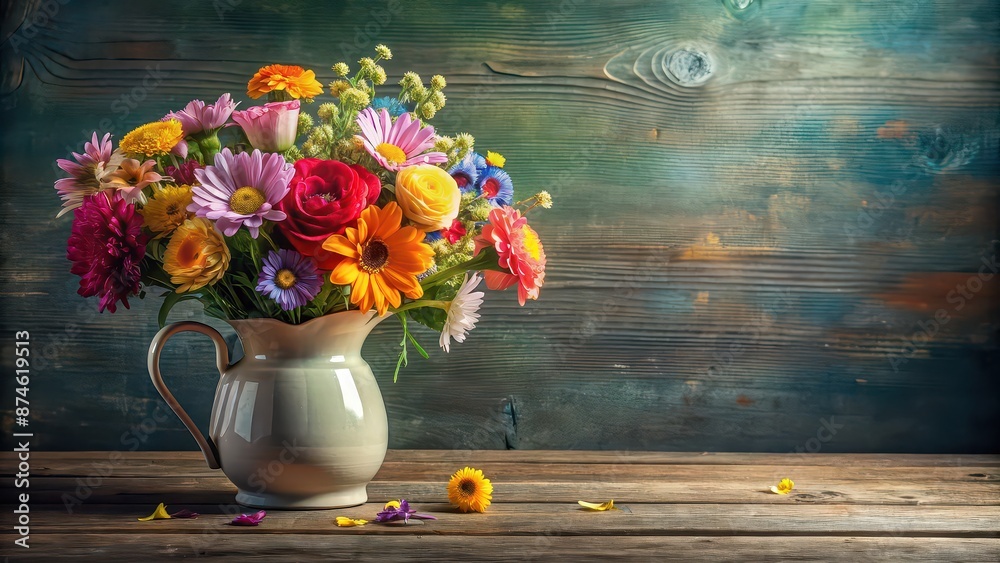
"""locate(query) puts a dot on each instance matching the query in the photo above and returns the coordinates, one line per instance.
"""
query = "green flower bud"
(410, 80)
(426, 111)
(444, 144)
(438, 82)
(327, 111)
(437, 98)
(465, 141)
(480, 210)
(305, 123)
(383, 51)
(338, 87)
(354, 99)
(378, 76)
(341, 69)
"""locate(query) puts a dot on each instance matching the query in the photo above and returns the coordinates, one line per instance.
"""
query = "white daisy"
(463, 312)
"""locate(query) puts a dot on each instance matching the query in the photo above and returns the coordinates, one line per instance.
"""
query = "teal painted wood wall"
(759, 214)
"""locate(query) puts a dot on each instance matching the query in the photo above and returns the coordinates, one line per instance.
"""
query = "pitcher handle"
(208, 447)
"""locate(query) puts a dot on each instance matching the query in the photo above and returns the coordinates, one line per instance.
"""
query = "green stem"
(474, 263)
(422, 303)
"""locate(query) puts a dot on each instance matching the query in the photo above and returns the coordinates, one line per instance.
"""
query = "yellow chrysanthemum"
(153, 139)
(167, 210)
(495, 159)
(469, 489)
(294, 80)
(784, 487)
(196, 256)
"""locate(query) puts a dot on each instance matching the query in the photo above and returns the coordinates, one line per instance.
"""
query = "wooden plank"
(523, 471)
(746, 184)
(246, 547)
(192, 460)
(218, 489)
(526, 519)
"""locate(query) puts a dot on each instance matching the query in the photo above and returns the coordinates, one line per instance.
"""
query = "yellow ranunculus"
(196, 255)
(428, 196)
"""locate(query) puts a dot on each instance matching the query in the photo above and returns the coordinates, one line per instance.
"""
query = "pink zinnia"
(397, 144)
(241, 189)
(271, 127)
(86, 173)
(520, 251)
(197, 117)
(106, 247)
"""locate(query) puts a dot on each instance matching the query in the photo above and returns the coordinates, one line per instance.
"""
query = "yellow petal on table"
(784, 487)
(610, 505)
(344, 521)
(159, 514)
(391, 504)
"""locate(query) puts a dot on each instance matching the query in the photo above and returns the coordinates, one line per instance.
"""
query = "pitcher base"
(344, 498)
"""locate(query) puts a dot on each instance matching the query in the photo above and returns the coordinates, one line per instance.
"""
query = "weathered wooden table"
(684, 506)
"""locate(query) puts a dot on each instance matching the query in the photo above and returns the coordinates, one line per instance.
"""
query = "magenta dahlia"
(106, 247)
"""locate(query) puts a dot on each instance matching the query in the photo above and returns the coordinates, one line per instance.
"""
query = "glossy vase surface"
(299, 421)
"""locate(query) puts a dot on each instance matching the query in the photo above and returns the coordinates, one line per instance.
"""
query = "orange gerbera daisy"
(382, 259)
(295, 80)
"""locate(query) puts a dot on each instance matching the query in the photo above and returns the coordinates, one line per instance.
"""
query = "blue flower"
(466, 172)
(496, 185)
(289, 278)
(432, 236)
(392, 105)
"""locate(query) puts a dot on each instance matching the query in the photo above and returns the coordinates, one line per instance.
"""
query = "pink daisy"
(87, 173)
(397, 144)
(241, 189)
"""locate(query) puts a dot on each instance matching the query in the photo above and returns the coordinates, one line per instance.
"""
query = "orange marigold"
(295, 80)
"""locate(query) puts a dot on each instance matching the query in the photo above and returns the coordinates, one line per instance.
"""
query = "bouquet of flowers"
(271, 212)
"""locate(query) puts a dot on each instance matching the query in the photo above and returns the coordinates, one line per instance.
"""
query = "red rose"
(325, 197)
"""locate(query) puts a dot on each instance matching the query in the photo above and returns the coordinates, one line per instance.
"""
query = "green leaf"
(420, 349)
(169, 300)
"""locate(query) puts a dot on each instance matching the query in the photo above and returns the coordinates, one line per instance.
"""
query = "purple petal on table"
(249, 519)
(423, 516)
(184, 513)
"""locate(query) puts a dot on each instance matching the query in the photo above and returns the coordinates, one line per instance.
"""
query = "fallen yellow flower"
(610, 505)
(391, 504)
(159, 514)
(784, 487)
(347, 522)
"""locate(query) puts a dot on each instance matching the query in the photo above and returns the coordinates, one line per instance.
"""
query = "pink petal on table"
(184, 513)
(249, 519)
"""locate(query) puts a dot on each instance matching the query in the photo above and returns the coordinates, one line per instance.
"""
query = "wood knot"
(689, 67)
(742, 9)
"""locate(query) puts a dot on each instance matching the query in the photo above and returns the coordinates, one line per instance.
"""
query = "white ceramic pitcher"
(299, 421)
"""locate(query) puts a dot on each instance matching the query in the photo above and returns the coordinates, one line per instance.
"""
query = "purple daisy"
(289, 278)
(466, 171)
(496, 186)
(241, 189)
(397, 144)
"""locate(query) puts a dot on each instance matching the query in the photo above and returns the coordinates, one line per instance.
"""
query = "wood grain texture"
(758, 215)
(670, 509)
